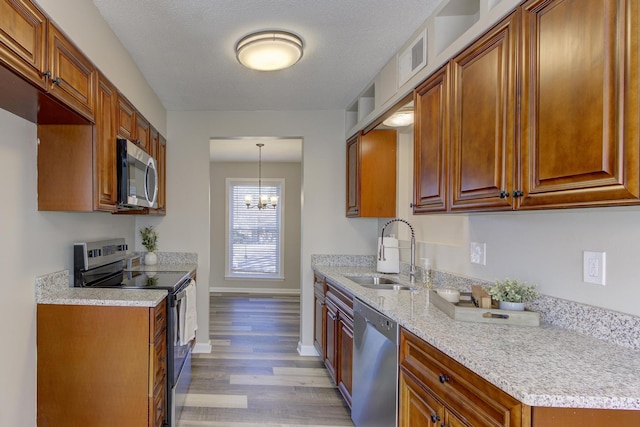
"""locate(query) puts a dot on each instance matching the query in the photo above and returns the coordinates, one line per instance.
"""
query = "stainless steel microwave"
(137, 177)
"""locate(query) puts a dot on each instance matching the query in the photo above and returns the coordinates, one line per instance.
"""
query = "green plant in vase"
(150, 242)
(513, 294)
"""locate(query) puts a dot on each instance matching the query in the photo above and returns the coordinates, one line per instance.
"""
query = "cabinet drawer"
(469, 396)
(159, 361)
(342, 300)
(157, 408)
(159, 319)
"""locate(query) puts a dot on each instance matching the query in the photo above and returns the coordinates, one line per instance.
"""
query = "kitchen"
(543, 247)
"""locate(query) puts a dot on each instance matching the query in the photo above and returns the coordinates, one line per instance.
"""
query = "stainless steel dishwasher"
(375, 368)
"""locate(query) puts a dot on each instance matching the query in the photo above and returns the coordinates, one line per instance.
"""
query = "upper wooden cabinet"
(125, 118)
(544, 113)
(483, 120)
(23, 32)
(158, 151)
(579, 103)
(371, 174)
(431, 146)
(105, 179)
(142, 136)
(72, 77)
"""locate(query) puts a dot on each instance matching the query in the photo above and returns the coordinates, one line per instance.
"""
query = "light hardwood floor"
(254, 376)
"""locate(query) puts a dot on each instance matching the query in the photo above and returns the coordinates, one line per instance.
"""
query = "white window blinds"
(255, 235)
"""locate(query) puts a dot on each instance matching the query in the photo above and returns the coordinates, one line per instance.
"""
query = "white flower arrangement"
(513, 291)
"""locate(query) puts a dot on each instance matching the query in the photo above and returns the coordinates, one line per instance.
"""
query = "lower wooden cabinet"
(435, 390)
(432, 386)
(101, 365)
(333, 336)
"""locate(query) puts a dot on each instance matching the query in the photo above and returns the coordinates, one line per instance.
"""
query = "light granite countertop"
(540, 366)
(187, 268)
(55, 288)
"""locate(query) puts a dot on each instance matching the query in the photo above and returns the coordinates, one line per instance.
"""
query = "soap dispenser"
(427, 277)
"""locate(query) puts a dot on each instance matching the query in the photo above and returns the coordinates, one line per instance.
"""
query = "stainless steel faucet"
(412, 267)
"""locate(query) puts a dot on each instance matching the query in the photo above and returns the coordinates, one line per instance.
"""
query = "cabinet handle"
(517, 193)
(56, 81)
(46, 74)
(444, 378)
(504, 194)
(411, 205)
(435, 418)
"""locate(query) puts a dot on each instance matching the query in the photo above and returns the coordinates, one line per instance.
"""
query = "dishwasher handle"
(383, 324)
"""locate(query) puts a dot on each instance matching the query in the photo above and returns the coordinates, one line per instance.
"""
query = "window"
(254, 236)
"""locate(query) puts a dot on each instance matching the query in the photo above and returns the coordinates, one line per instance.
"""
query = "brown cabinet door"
(73, 78)
(161, 159)
(125, 118)
(353, 190)
(345, 373)
(417, 406)
(320, 313)
(331, 351)
(143, 133)
(371, 174)
(105, 180)
(23, 30)
(483, 120)
(431, 141)
(579, 103)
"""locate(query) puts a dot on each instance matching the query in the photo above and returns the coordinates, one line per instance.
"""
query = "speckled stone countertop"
(54, 288)
(540, 366)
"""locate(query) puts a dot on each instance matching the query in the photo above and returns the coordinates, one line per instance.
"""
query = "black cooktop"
(169, 280)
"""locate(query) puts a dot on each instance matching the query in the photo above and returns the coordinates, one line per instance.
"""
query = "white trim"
(307, 350)
(225, 289)
(202, 347)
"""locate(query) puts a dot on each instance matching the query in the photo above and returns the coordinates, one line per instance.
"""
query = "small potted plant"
(512, 294)
(150, 242)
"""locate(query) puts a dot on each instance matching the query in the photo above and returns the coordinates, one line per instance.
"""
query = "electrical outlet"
(478, 253)
(594, 267)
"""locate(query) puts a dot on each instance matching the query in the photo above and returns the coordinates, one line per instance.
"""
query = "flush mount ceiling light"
(399, 119)
(269, 50)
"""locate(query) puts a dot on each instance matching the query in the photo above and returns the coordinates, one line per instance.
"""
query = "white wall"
(33, 243)
(325, 229)
(543, 247)
(291, 173)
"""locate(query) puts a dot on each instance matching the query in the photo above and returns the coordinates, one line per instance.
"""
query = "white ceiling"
(185, 48)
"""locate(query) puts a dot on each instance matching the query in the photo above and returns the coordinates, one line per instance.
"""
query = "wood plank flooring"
(254, 376)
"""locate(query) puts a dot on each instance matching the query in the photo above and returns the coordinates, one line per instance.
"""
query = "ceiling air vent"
(413, 58)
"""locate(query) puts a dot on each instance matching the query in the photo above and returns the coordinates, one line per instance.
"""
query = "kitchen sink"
(382, 283)
(372, 280)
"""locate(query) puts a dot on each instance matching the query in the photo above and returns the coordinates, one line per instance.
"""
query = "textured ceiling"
(185, 48)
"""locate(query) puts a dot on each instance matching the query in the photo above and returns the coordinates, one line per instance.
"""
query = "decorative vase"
(150, 258)
(515, 306)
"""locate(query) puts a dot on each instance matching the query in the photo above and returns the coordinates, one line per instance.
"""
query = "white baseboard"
(307, 350)
(202, 347)
(224, 290)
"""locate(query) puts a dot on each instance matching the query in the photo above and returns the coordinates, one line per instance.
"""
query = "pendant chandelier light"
(269, 50)
(264, 201)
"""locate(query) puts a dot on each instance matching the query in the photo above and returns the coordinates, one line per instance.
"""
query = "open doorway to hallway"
(255, 250)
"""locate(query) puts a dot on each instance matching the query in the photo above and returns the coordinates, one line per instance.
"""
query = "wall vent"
(413, 58)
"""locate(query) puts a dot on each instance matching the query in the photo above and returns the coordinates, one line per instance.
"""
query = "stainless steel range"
(101, 264)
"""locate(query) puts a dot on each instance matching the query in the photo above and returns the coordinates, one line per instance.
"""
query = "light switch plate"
(478, 253)
(594, 267)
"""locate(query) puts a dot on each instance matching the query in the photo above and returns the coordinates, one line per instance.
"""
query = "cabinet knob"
(46, 74)
(504, 194)
(56, 81)
(444, 378)
(411, 205)
(435, 418)
(517, 193)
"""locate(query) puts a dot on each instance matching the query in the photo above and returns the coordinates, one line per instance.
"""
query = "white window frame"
(229, 182)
